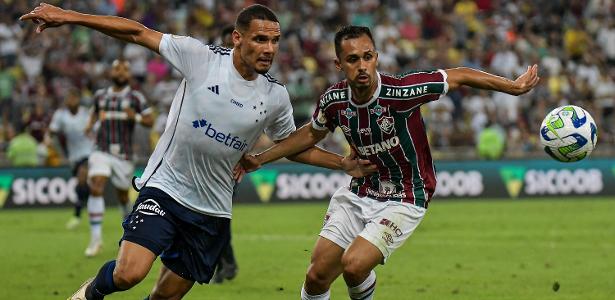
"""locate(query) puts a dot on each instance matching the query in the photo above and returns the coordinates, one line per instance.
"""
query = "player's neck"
(364, 94)
(242, 68)
(73, 110)
(118, 88)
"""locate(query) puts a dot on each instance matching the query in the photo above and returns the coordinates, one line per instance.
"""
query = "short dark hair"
(256, 11)
(227, 30)
(350, 32)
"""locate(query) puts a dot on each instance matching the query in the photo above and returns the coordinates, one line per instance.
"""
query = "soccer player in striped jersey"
(381, 119)
(224, 103)
(117, 109)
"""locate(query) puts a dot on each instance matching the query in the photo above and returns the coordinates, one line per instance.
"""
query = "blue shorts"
(188, 243)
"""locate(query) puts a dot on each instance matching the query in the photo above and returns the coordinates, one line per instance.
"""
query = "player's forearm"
(480, 80)
(147, 121)
(284, 149)
(117, 27)
(318, 157)
(300, 140)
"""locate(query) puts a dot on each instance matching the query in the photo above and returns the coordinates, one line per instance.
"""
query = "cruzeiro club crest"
(386, 124)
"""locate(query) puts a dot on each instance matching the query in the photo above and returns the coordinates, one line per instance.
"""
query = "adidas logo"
(215, 89)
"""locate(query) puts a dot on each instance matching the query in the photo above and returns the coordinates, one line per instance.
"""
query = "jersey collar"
(371, 100)
(123, 92)
(235, 76)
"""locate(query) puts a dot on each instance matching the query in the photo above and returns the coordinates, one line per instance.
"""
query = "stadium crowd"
(573, 41)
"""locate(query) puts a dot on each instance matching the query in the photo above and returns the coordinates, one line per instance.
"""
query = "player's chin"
(262, 70)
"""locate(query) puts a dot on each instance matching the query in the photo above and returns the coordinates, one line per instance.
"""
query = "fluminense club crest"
(386, 123)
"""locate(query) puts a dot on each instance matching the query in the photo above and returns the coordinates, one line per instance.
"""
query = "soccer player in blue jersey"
(381, 118)
(225, 101)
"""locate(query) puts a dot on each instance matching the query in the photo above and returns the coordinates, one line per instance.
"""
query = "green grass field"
(463, 250)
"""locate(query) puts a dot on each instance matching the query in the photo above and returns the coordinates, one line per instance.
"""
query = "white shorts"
(119, 170)
(387, 225)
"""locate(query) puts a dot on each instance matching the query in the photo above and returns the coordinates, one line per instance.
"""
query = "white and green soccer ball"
(568, 133)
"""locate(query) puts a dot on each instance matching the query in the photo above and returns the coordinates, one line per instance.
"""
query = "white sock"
(365, 290)
(306, 296)
(96, 211)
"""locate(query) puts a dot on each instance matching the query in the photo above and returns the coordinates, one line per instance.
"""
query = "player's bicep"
(150, 39)
(283, 122)
(320, 121)
(455, 78)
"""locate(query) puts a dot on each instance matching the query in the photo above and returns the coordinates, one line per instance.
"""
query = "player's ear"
(236, 35)
(338, 64)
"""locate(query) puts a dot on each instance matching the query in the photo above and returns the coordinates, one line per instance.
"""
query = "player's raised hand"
(356, 167)
(46, 15)
(527, 80)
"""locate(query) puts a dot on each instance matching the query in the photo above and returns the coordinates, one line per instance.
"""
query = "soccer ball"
(568, 133)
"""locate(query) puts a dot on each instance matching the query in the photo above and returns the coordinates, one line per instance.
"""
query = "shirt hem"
(176, 197)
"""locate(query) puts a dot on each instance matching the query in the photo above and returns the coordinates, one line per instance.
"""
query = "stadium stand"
(572, 41)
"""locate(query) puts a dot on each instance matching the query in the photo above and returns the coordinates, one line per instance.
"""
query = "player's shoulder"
(219, 50)
(273, 81)
(136, 93)
(273, 86)
(60, 113)
(100, 92)
(412, 77)
(338, 92)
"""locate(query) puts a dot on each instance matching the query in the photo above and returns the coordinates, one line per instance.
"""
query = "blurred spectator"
(573, 42)
(23, 150)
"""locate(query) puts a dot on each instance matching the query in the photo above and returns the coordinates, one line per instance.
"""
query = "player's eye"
(368, 57)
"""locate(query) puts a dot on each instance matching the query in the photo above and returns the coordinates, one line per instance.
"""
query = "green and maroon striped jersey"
(115, 133)
(389, 131)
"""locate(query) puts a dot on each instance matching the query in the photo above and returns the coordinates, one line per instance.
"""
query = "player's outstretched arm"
(299, 141)
(47, 16)
(483, 80)
(299, 147)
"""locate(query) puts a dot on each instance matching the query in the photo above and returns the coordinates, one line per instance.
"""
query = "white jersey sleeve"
(56, 122)
(186, 54)
(282, 123)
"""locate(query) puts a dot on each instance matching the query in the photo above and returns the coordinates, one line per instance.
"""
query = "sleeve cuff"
(444, 76)
(316, 126)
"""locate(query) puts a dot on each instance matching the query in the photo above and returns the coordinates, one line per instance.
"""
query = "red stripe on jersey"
(423, 153)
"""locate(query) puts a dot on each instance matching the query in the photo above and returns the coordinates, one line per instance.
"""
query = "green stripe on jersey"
(384, 156)
(405, 141)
